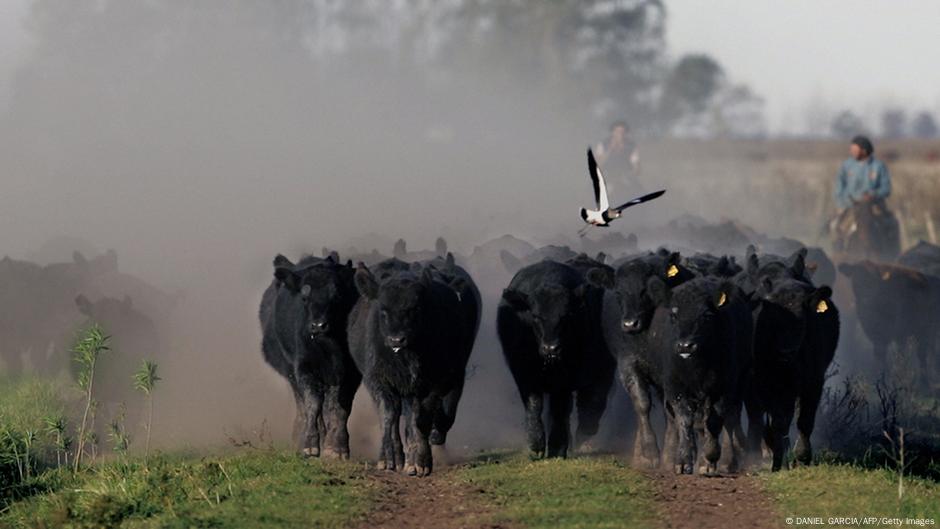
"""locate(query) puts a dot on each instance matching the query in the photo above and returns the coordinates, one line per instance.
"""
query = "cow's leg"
(734, 437)
(391, 455)
(755, 422)
(591, 403)
(559, 407)
(685, 429)
(312, 403)
(335, 415)
(670, 439)
(446, 413)
(810, 394)
(420, 422)
(535, 429)
(645, 449)
(779, 432)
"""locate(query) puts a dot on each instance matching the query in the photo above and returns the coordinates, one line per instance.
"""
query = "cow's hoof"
(683, 469)
(311, 452)
(708, 469)
(645, 462)
(381, 465)
(422, 471)
(329, 453)
(411, 470)
(437, 438)
(536, 455)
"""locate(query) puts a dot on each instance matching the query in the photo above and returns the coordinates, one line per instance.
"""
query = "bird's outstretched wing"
(639, 200)
(600, 185)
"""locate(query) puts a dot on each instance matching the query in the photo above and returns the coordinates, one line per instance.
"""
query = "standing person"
(864, 226)
(619, 158)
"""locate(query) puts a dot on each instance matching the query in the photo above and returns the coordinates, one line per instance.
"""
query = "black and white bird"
(604, 213)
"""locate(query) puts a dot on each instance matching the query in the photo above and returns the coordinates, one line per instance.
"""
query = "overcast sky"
(864, 54)
(801, 55)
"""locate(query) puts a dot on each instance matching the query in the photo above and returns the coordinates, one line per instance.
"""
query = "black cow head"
(630, 287)
(402, 303)
(324, 288)
(552, 313)
(694, 311)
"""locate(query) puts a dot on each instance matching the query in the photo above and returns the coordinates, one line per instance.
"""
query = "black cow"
(796, 331)
(548, 322)
(924, 257)
(628, 311)
(707, 355)
(411, 335)
(303, 316)
(895, 303)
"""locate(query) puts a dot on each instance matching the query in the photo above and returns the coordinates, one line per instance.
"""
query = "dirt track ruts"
(435, 502)
(707, 502)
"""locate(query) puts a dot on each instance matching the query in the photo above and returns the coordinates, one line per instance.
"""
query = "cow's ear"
(287, 277)
(440, 246)
(658, 291)
(510, 262)
(400, 250)
(333, 256)
(449, 259)
(517, 300)
(601, 257)
(798, 263)
(349, 263)
(280, 260)
(602, 277)
(365, 282)
(84, 305)
(821, 300)
(722, 297)
(752, 263)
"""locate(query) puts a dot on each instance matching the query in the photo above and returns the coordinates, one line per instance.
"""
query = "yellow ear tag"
(822, 306)
(722, 300)
(886, 276)
(672, 271)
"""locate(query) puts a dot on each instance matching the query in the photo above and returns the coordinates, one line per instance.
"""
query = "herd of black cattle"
(703, 335)
(707, 332)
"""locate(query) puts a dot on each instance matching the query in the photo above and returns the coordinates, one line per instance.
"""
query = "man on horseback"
(863, 225)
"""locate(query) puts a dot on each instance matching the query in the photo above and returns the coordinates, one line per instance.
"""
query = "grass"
(846, 490)
(253, 489)
(583, 493)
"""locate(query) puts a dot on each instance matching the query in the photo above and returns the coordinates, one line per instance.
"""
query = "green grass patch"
(583, 493)
(256, 489)
(849, 491)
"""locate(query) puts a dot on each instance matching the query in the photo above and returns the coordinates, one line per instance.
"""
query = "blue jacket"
(859, 177)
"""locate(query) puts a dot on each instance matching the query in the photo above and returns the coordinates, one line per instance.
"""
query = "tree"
(846, 124)
(893, 123)
(689, 91)
(924, 126)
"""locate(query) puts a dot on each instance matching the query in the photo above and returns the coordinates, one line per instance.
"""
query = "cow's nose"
(319, 326)
(397, 341)
(686, 348)
(632, 324)
(551, 349)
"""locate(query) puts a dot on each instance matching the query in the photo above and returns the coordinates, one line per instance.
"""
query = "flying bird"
(604, 213)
